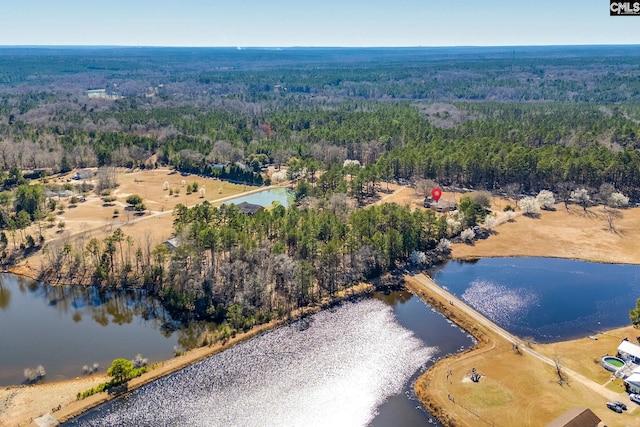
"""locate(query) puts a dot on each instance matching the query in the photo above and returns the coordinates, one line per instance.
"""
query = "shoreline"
(471, 258)
(70, 407)
(432, 402)
(446, 391)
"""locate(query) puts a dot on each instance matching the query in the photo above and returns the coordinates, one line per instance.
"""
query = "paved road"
(574, 376)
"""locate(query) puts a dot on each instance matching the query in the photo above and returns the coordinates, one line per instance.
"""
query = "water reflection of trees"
(394, 298)
(104, 306)
(191, 335)
(107, 306)
(5, 296)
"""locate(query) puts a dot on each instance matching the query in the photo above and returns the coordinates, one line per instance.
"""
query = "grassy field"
(94, 218)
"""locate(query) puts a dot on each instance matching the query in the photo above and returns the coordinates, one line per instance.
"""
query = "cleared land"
(516, 389)
(94, 218)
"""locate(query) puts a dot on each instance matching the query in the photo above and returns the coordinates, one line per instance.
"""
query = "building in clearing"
(172, 244)
(101, 94)
(440, 205)
(576, 417)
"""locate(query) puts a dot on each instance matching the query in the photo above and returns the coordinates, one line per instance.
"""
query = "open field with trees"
(537, 148)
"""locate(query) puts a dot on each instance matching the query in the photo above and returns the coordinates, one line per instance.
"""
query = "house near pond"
(576, 417)
(440, 205)
(630, 372)
(632, 383)
(629, 352)
(249, 208)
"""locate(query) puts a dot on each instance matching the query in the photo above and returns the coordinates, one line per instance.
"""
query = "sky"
(283, 23)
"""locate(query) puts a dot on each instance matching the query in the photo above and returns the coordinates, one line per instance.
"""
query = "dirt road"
(432, 287)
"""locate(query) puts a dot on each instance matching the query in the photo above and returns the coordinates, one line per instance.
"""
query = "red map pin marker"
(436, 193)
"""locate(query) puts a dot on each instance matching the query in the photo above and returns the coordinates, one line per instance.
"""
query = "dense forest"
(513, 120)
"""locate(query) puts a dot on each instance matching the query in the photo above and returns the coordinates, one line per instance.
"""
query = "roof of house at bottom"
(249, 208)
(576, 417)
(633, 379)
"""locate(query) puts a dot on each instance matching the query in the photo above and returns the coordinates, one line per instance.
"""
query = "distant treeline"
(483, 145)
(473, 117)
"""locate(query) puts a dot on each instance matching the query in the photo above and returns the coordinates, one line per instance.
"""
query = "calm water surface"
(349, 366)
(64, 328)
(267, 197)
(548, 299)
(353, 365)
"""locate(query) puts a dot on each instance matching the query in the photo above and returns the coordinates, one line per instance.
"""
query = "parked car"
(635, 398)
(620, 405)
(614, 407)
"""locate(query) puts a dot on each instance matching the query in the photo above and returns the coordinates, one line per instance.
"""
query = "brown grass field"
(516, 389)
(93, 218)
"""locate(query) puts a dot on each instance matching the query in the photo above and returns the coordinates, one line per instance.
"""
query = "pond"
(352, 365)
(266, 198)
(548, 299)
(65, 328)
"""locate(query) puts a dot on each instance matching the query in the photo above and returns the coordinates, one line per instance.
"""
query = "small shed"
(172, 243)
(83, 174)
(576, 417)
(249, 208)
(630, 352)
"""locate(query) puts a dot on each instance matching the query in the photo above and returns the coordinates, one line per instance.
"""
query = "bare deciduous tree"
(424, 187)
(529, 206)
(546, 199)
(581, 196)
(483, 198)
(564, 190)
(106, 178)
(562, 377)
(604, 193)
(513, 190)
(611, 215)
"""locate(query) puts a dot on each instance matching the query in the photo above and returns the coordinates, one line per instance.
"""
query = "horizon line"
(275, 47)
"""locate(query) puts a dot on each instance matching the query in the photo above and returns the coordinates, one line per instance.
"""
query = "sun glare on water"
(335, 372)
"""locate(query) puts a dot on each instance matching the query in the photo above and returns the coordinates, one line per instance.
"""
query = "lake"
(548, 299)
(352, 365)
(65, 328)
(359, 359)
(266, 198)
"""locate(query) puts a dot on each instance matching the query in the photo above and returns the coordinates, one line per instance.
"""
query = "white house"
(633, 383)
(629, 352)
